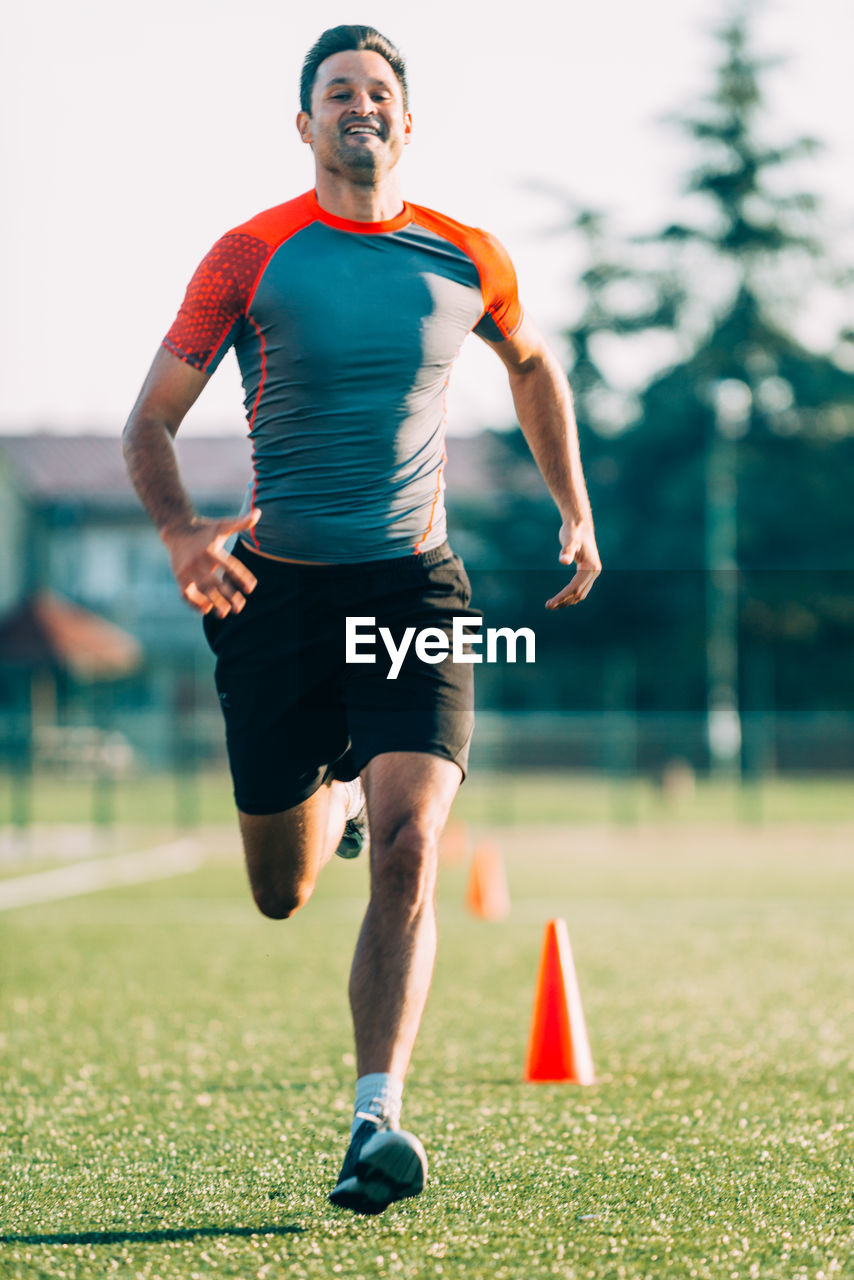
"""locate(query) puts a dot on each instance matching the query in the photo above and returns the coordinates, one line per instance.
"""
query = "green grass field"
(177, 1071)
(157, 800)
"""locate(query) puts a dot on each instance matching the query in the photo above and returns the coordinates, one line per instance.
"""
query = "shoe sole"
(392, 1166)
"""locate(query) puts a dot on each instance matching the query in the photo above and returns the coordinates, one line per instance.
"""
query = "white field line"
(166, 860)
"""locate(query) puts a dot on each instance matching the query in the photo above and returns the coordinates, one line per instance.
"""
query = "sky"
(134, 135)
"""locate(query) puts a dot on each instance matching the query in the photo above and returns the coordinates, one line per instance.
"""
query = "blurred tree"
(750, 256)
(750, 397)
(722, 292)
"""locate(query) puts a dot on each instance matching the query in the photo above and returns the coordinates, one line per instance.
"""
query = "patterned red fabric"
(216, 298)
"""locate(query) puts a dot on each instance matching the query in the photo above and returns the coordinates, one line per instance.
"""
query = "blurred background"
(673, 183)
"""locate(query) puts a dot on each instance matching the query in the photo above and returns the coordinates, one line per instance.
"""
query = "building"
(71, 524)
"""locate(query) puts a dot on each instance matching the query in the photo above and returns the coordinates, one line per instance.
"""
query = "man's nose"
(362, 104)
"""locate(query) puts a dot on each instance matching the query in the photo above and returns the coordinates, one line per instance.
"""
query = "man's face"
(357, 127)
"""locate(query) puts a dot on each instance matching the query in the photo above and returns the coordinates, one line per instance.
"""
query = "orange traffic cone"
(558, 1048)
(487, 895)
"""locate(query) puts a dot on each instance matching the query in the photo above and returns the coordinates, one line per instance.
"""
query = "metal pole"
(731, 400)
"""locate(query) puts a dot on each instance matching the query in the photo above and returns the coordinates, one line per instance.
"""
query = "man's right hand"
(210, 578)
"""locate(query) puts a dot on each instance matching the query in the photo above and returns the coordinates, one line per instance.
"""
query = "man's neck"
(345, 199)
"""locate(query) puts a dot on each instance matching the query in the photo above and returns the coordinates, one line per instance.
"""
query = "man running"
(346, 307)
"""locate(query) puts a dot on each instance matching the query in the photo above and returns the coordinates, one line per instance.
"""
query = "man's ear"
(407, 127)
(304, 127)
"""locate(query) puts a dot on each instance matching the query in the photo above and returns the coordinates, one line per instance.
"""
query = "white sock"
(378, 1094)
(355, 799)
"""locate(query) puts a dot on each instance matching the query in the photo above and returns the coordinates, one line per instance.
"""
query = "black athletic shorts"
(294, 708)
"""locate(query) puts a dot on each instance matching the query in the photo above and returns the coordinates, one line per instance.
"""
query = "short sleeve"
(502, 308)
(216, 301)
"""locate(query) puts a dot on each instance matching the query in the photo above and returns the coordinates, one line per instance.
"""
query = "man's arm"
(544, 407)
(208, 577)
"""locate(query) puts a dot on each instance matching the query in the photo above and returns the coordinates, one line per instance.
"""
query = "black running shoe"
(382, 1165)
(355, 835)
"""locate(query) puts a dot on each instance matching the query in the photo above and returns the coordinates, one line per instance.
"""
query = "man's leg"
(286, 851)
(409, 797)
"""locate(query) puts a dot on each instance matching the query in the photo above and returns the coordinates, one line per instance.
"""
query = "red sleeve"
(216, 301)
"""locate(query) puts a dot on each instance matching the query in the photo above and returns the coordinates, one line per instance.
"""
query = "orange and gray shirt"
(345, 333)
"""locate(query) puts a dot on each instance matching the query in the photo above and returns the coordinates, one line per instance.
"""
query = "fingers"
(238, 524)
(576, 591)
(233, 569)
(217, 594)
(228, 599)
(579, 587)
(221, 582)
(208, 576)
(194, 596)
(578, 547)
(219, 599)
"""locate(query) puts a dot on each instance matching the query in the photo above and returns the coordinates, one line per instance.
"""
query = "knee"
(279, 903)
(404, 868)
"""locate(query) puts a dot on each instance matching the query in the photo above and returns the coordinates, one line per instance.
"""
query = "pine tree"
(746, 257)
(726, 282)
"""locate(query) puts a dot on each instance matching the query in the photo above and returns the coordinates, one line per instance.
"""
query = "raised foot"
(382, 1165)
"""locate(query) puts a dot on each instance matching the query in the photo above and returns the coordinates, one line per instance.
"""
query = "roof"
(47, 631)
(50, 467)
(91, 468)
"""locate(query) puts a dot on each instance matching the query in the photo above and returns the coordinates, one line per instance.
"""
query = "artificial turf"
(176, 1072)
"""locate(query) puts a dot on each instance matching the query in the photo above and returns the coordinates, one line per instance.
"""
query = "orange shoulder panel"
(497, 276)
(275, 225)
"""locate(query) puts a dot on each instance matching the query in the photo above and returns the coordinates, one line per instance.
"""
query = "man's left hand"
(578, 547)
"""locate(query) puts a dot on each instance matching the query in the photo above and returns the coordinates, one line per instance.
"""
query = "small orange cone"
(487, 895)
(558, 1048)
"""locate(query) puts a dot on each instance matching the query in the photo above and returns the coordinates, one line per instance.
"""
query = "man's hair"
(340, 40)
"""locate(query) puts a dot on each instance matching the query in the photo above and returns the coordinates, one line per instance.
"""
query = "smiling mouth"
(362, 130)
